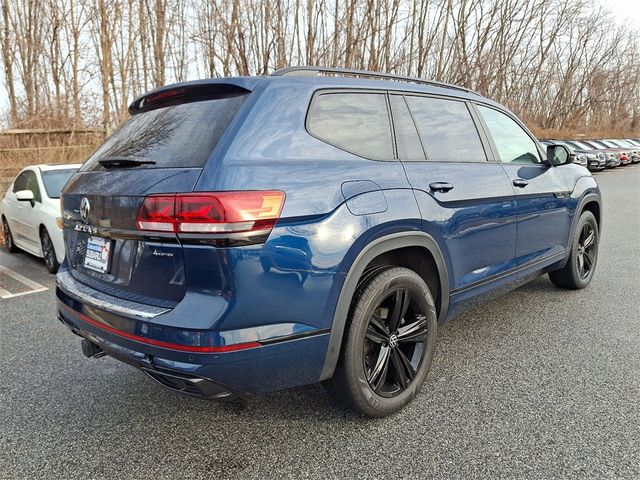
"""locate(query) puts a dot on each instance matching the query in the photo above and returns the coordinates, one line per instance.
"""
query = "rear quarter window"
(355, 122)
(181, 135)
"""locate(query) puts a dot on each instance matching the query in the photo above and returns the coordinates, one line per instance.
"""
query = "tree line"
(560, 64)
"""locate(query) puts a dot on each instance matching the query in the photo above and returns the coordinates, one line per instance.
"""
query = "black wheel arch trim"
(591, 196)
(588, 198)
(371, 251)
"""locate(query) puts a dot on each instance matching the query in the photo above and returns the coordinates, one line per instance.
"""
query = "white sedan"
(30, 212)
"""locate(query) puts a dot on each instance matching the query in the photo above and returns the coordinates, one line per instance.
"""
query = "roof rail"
(312, 71)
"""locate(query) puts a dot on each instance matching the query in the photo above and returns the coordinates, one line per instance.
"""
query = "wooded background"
(564, 66)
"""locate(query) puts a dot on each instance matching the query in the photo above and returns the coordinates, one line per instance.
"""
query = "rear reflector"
(219, 212)
(234, 347)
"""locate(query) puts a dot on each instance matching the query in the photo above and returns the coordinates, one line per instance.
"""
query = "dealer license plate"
(97, 254)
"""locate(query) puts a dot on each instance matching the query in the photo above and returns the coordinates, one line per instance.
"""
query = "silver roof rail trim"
(314, 71)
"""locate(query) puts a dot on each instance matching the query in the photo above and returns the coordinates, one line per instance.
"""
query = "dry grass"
(610, 132)
(22, 149)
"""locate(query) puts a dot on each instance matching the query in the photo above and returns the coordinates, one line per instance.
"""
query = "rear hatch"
(162, 148)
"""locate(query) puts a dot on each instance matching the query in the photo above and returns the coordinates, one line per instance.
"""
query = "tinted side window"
(446, 129)
(20, 183)
(513, 143)
(407, 139)
(32, 184)
(355, 122)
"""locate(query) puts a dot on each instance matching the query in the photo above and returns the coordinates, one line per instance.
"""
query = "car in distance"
(243, 235)
(621, 153)
(633, 150)
(30, 212)
(611, 157)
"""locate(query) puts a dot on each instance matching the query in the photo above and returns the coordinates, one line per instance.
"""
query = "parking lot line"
(34, 286)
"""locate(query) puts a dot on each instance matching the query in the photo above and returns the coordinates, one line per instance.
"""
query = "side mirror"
(559, 155)
(25, 195)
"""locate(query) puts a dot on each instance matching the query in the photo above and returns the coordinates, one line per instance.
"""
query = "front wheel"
(48, 252)
(579, 269)
(388, 345)
(8, 238)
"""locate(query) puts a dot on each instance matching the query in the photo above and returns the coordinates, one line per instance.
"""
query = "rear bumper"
(271, 364)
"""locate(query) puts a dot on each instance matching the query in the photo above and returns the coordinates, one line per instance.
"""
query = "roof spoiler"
(185, 93)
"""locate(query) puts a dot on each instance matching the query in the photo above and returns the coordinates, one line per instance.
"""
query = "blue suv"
(243, 235)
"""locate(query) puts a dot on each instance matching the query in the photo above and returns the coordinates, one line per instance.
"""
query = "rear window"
(54, 180)
(182, 135)
(355, 122)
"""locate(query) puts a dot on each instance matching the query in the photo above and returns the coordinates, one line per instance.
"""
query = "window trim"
(484, 141)
(475, 104)
(393, 126)
(324, 91)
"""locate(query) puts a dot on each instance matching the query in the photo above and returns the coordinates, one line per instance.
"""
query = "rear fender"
(371, 251)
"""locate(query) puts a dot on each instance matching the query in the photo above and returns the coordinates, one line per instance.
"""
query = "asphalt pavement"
(540, 383)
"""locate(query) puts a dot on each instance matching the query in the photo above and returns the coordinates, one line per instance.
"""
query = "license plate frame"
(97, 256)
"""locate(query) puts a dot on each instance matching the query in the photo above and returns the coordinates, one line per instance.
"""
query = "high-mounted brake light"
(219, 212)
(163, 96)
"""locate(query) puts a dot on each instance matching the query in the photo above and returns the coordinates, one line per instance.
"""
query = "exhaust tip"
(91, 350)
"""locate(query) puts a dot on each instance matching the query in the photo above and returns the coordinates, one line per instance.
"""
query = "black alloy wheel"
(394, 343)
(583, 255)
(48, 252)
(388, 343)
(586, 255)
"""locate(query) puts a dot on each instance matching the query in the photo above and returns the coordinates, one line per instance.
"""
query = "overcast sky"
(624, 9)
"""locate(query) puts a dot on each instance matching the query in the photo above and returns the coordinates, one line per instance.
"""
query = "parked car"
(30, 212)
(622, 153)
(635, 143)
(611, 157)
(243, 235)
(591, 159)
(632, 149)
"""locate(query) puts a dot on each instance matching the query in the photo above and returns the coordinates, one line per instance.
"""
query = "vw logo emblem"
(85, 208)
(393, 341)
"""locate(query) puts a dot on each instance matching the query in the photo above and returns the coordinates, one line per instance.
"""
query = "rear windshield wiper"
(124, 162)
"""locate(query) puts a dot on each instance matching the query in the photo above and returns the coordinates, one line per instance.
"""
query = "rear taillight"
(220, 212)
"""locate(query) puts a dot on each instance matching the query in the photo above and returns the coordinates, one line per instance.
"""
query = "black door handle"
(519, 182)
(440, 186)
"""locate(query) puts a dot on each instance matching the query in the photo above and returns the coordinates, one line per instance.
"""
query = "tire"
(579, 269)
(372, 376)
(48, 252)
(8, 237)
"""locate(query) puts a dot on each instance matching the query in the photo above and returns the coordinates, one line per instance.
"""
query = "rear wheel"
(388, 345)
(8, 238)
(580, 267)
(48, 252)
